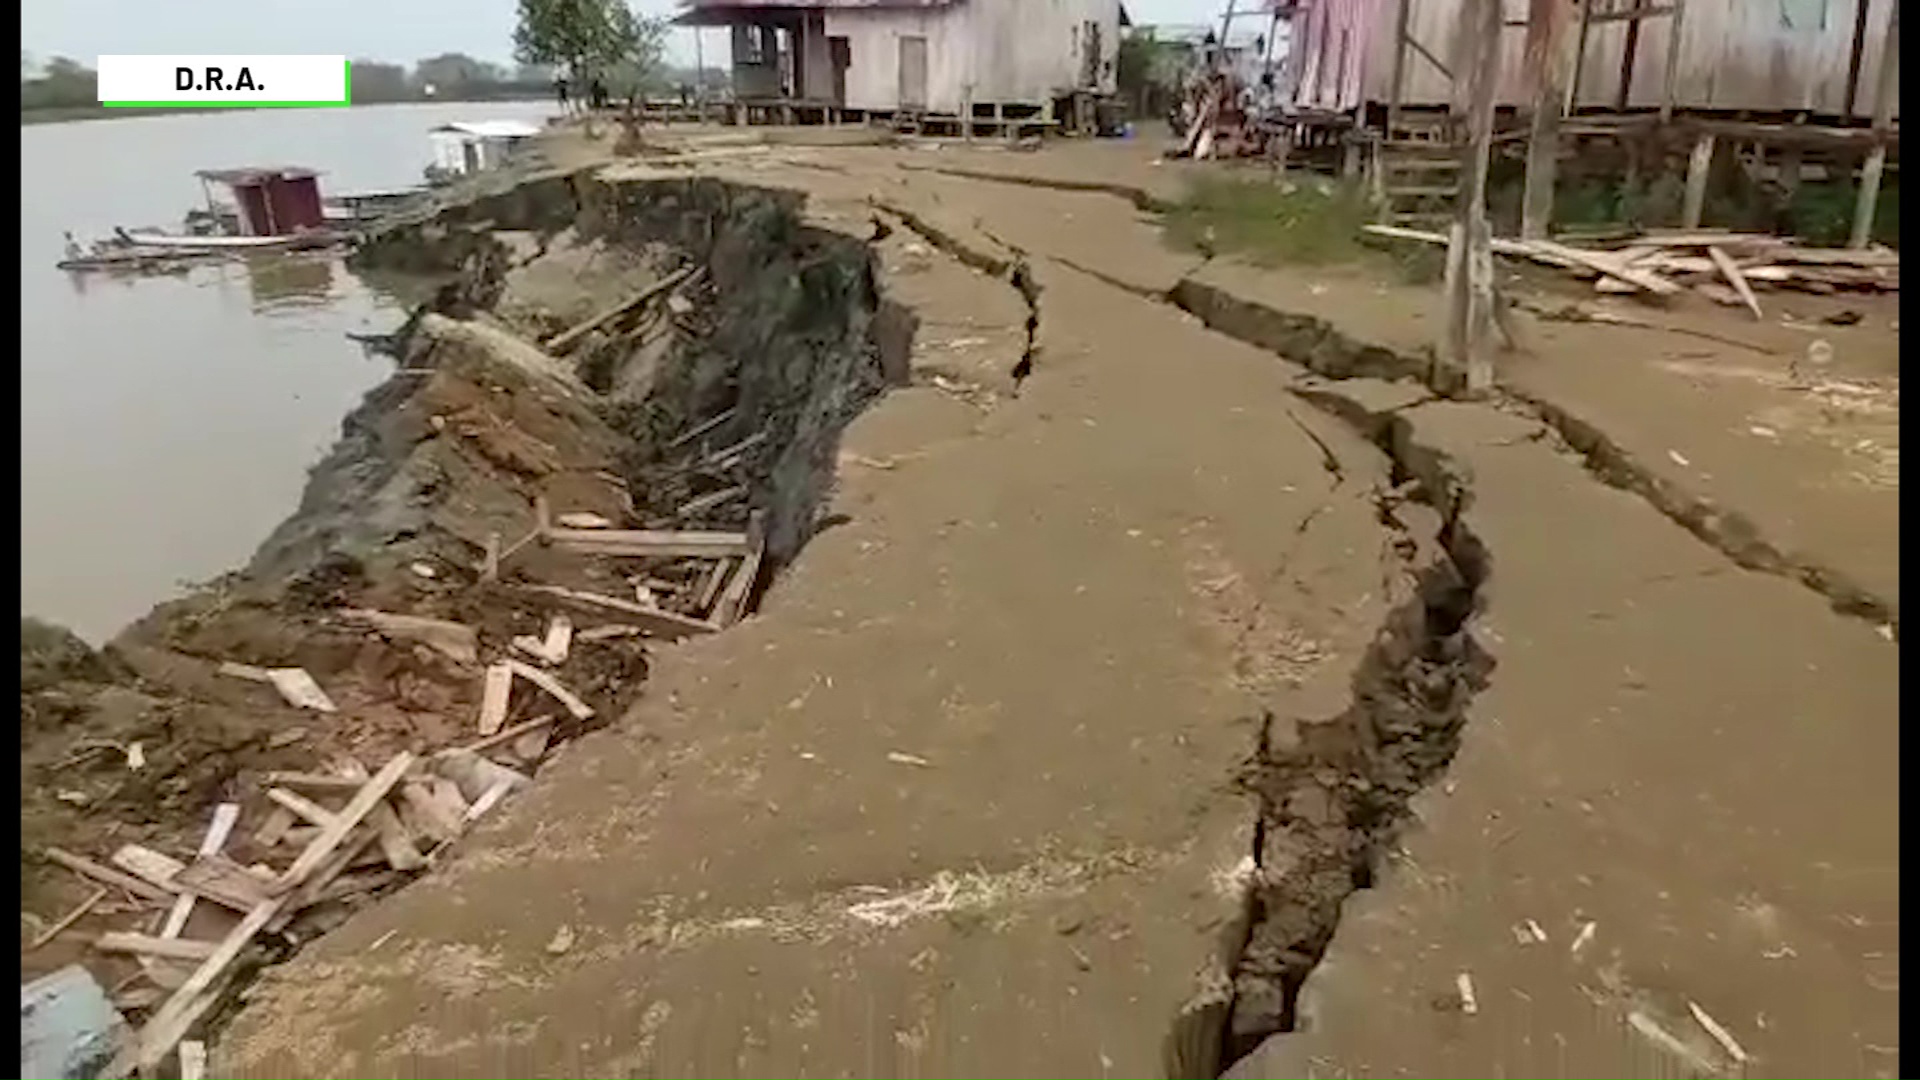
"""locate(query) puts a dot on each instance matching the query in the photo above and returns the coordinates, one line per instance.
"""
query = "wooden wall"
(1755, 55)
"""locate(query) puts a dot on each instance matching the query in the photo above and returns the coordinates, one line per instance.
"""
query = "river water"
(167, 423)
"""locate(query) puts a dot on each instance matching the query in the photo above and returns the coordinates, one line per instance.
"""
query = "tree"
(374, 81)
(585, 38)
(452, 74)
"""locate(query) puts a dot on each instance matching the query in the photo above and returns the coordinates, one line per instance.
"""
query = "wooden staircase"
(1416, 176)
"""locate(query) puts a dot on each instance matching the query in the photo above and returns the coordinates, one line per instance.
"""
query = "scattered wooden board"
(106, 875)
(565, 339)
(1601, 262)
(508, 734)
(65, 922)
(155, 868)
(223, 881)
(333, 835)
(712, 500)
(301, 806)
(170, 1023)
(653, 621)
(551, 650)
(494, 696)
(649, 543)
(1737, 280)
(171, 948)
(580, 709)
(733, 599)
(225, 817)
(457, 640)
(300, 691)
(437, 807)
(245, 671)
(193, 1060)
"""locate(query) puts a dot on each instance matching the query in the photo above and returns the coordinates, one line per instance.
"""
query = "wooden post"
(1669, 87)
(1869, 203)
(1547, 41)
(966, 113)
(1856, 51)
(1397, 83)
(1624, 93)
(1579, 56)
(1470, 313)
(1699, 167)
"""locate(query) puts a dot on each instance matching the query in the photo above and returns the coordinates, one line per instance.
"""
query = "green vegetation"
(592, 38)
(1307, 220)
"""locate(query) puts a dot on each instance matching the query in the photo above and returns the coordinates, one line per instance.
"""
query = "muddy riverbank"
(714, 404)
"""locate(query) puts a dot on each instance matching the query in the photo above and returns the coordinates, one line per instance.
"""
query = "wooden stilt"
(1470, 300)
(1699, 167)
(1547, 40)
(1670, 86)
(1869, 201)
(966, 114)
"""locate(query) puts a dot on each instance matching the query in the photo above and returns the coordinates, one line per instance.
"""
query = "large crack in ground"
(1332, 794)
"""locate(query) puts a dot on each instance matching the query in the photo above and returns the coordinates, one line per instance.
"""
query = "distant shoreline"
(61, 114)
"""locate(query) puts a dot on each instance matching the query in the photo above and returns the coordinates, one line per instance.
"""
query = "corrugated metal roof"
(492, 129)
(721, 12)
(255, 174)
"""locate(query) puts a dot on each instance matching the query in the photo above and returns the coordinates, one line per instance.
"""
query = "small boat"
(149, 238)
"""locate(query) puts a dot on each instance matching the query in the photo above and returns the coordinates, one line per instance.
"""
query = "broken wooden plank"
(703, 427)
(333, 835)
(191, 1001)
(712, 500)
(607, 632)
(245, 671)
(437, 815)
(1515, 248)
(300, 691)
(225, 817)
(655, 622)
(273, 830)
(490, 561)
(551, 650)
(65, 922)
(153, 867)
(581, 519)
(488, 799)
(710, 589)
(733, 600)
(302, 806)
(171, 948)
(507, 735)
(495, 693)
(106, 875)
(728, 456)
(457, 640)
(1594, 260)
(580, 709)
(312, 781)
(193, 1060)
(567, 338)
(649, 543)
(223, 881)
(1737, 280)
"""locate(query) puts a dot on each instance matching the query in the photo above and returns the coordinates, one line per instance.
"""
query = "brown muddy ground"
(1107, 706)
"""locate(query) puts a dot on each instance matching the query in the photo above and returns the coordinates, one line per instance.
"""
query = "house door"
(840, 55)
(913, 73)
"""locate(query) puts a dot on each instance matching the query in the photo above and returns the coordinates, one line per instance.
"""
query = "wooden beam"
(1669, 87)
(1397, 84)
(643, 543)
(1414, 44)
(1856, 52)
(1548, 36)
(1699, 168)
(1623, 94)
(1870, 175)
(565, 339)
(1579, 56)
(1470, 313)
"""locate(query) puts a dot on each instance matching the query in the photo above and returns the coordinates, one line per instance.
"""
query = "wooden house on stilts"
(1776, 86)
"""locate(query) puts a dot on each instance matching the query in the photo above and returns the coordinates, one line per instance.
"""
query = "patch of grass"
(1301, 221)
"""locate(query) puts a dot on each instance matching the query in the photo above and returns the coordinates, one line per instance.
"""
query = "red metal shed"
(273, 201)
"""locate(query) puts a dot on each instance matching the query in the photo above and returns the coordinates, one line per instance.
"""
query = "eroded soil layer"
(719, 401)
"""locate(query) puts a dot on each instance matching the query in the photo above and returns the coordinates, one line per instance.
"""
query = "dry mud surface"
(1216, 697)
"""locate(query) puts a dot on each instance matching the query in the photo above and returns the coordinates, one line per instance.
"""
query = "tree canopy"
(586, 38)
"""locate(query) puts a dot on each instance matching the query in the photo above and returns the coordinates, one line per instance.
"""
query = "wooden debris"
(317, 781)
(1720, 1034)
(474, 775)
(490, 562)
(489, 799)
(106, 875)
(728, 457)
(653, 621)
(273, 830)
(1469, 1004)
(580, 709)
(710, 591)
(193, 1060)
(170, 1023)
(1736, 279)
(552, 650)
(171, 948)
(437, 813)
(702, 428)
(733, 600)
(697, 506)
(494, 695)
(151, 866)
(223, 881)
(225, 817)
(507, 735)
(245, 671)
(65, 922)
(567, 338)
(302, 807)
(457, 641)
(648, 543)
(299, 689)
(582, 520)
(333, 835)
(532, 746)
(607, 632)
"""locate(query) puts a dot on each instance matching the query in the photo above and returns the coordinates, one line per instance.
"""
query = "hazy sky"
(402, 30)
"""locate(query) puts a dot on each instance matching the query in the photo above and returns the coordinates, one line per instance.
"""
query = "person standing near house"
(560, 92)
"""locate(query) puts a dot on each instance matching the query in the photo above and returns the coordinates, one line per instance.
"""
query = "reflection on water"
(167, 422)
